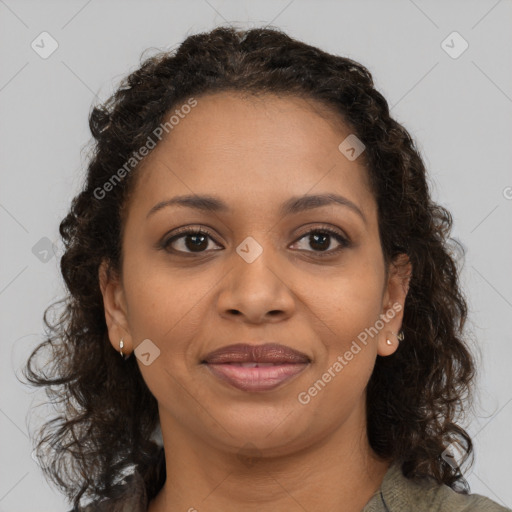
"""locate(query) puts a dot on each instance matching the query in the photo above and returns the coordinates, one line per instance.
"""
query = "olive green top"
(396, 494)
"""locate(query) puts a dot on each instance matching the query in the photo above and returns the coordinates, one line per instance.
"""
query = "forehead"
(259, 149)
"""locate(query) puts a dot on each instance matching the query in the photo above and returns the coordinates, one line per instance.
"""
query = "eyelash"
(344, 242)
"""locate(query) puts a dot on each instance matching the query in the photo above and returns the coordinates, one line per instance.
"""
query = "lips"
(256, 367)
(272, 353)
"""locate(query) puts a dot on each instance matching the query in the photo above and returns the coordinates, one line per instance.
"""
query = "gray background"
(458, 110)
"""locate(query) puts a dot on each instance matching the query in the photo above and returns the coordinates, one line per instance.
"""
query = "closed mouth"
(267, 354)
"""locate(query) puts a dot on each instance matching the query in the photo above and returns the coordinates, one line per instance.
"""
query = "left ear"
(399, 276)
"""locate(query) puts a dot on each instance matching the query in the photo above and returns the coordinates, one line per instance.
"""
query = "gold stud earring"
(400, 336)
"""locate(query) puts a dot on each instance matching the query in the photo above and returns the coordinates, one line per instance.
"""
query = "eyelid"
(323, 228)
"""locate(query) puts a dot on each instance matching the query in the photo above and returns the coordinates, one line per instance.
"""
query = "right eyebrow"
(207, 203)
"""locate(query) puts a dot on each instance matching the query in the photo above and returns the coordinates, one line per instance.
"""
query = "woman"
(264, 312)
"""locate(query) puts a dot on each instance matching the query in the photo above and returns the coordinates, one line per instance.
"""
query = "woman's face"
(258, 276)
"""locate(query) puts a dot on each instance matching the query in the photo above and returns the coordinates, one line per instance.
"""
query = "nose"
(256, 291)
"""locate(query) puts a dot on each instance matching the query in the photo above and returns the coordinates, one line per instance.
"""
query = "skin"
(254, 154)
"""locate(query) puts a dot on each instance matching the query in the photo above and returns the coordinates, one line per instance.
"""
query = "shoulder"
(431, 496)
(398, 493)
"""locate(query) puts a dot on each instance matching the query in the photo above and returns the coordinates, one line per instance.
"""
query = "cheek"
(161, 301)
(163, 311)
(350, 301)
(349, 347)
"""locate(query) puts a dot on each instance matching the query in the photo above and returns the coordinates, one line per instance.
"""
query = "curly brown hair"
(107, 416)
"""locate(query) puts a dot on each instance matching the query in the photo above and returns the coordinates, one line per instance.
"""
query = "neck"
(207, 478)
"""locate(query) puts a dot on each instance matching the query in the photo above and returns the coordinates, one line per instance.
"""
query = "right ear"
(114, 303)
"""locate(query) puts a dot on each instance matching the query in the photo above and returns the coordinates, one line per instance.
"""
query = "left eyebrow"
(292, 206)
(302, 203)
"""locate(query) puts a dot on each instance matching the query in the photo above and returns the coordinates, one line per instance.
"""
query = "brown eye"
(320, 240)
(189, 241)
